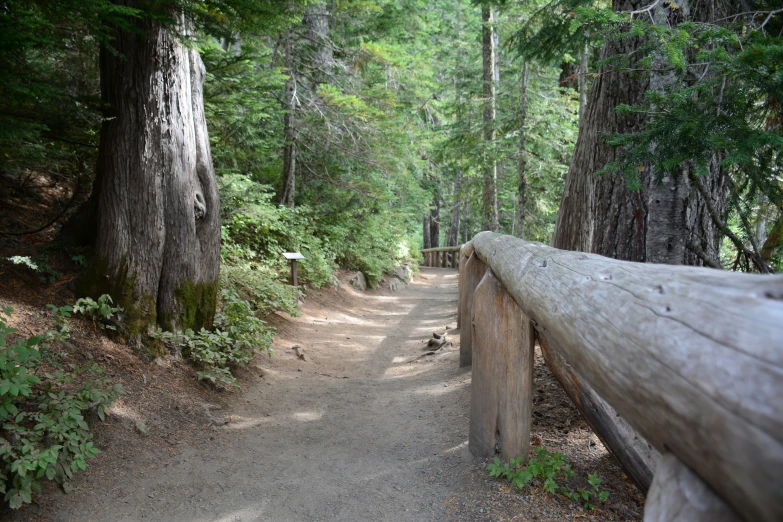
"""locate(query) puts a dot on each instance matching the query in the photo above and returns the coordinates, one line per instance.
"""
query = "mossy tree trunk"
(157, 251)
(663, 222)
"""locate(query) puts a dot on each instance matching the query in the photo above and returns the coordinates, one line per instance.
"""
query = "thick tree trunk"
(289, 126)
(158, 241)
(519, 224)
(489, 211)
(427, 239)
(663, 222)
(435, 222)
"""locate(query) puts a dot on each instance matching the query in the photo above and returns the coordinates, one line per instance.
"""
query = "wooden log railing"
(444, 257)
(683, 360)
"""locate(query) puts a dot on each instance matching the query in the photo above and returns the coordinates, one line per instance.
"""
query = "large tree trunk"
(427, 239)
(157, 251)
(519, 225)
(663, 222)
(489, 211)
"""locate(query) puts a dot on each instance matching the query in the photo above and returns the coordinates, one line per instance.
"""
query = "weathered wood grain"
(637, 457)
(501, 400)
(461, 286)
(469, 280)
(678, 495)
(691, 357)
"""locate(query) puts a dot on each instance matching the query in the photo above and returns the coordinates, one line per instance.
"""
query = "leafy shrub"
(253, 224)
(238, 333)
(256, 233)
(547, 469)
(43, 432)
(100, 311)
(255, 281)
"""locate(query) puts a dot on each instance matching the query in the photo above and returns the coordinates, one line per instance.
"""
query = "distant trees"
(489, 213)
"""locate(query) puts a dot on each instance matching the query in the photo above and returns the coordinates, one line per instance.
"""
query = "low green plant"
(43, 431)
(80, 260)
(61, 315)
(39, 265)
(237, 335)
(254, 280)
(550, 471)
(100, 311)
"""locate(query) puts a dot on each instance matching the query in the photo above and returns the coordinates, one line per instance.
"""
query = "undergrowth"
(549, 471)
(43, 403)
(233, 342)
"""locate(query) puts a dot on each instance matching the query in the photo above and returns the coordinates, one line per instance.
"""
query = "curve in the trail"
(363, 431)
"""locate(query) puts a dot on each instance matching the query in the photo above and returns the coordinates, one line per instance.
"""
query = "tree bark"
(519, 225)
(599, 214)
(490, 199)
(427, 239)
(316, 20)
(157, 250)
(435, 222)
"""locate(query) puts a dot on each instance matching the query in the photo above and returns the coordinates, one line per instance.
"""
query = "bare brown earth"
(364, 430)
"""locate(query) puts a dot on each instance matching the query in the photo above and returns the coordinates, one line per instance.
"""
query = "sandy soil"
(364, 430)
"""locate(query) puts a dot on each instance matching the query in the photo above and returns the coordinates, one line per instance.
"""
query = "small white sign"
(293, 255)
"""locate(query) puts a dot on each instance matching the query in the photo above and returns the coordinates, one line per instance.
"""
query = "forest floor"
(366, 429)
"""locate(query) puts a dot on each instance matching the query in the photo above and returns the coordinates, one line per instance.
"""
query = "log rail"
(444, 257)
(684, 361)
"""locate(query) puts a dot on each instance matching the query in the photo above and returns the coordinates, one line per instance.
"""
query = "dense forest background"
(174, 150)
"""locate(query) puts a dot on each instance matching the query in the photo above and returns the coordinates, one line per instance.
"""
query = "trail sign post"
(293, 257)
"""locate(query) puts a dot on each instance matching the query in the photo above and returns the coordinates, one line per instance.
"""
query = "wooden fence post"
(677, 494)
(461, 286)
(474, 271)
(501, 400)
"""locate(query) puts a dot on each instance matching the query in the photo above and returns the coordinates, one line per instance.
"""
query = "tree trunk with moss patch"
(666, 221)
(157, 251)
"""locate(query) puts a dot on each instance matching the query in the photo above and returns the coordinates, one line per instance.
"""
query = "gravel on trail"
(364, 428)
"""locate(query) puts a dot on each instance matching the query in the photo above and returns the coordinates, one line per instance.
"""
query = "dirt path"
(356, 433)
(364, 430)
